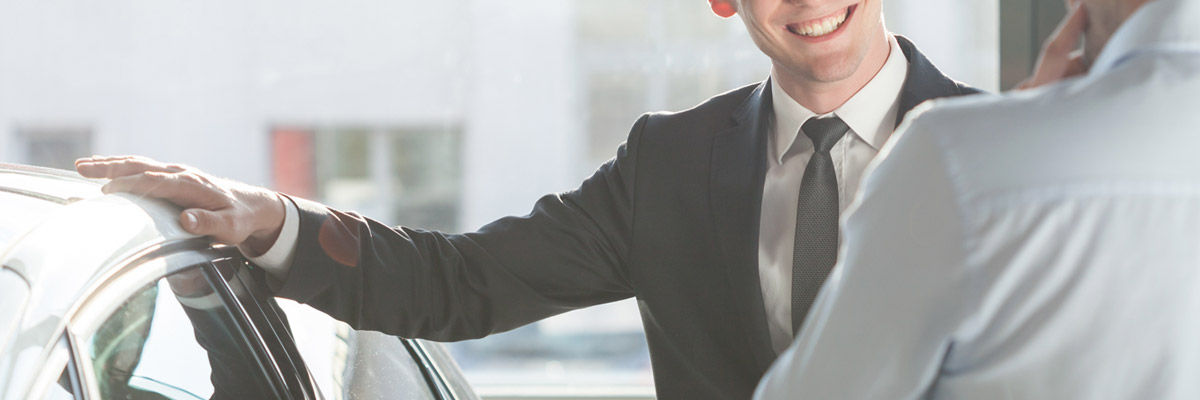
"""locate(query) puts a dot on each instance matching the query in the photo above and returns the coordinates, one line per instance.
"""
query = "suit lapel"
(738, 172)
(924, 81)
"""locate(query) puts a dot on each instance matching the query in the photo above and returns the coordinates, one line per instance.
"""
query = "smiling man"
(721, 220)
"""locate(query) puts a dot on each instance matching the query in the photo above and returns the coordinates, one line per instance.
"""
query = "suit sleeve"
(570, 252)
(884, 321)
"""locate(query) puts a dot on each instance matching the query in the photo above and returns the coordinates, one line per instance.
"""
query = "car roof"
(60, 234)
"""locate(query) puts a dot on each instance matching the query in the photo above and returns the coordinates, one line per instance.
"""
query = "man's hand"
(230, 212)
(1061, 58)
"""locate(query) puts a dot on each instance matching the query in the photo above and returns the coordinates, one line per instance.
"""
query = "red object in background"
(293, 159)
(722, 9)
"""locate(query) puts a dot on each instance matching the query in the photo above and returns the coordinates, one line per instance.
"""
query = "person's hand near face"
(1093, 21)
(1061, 56)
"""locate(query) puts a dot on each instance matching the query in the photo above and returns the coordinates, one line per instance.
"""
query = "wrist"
(269, 217)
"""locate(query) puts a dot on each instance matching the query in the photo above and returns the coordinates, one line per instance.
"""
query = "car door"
(332, 359)
(190, 322)
(173, 324)
(352, 364)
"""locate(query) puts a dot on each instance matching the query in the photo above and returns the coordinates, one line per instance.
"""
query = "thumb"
(201, 222)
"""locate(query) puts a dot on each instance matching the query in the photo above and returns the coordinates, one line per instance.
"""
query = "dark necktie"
(816, 245)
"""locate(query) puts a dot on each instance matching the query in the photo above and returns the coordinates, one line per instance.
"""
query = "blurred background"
(441, 115)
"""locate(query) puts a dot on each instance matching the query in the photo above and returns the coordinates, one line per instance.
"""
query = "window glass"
(350, 364)
(176, 339)
(410, 175)
(451, 373)
(55, 147)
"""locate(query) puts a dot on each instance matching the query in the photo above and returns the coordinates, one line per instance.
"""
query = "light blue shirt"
(1040, 245)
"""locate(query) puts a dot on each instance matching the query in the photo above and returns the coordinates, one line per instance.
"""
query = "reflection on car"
(106, 297)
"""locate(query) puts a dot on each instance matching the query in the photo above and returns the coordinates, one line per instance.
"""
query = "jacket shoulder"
(715, 112)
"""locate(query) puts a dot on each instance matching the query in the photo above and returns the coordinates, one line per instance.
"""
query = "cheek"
(871, 16)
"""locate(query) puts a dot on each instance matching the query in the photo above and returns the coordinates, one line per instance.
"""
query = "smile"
(822, 26)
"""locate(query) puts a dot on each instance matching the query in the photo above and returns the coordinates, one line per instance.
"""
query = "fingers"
(1076, 65)
(115, 167)
(187, 190)
(1065, 38)
(1060, 57)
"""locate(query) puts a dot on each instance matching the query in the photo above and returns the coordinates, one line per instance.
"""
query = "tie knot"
(824, 132)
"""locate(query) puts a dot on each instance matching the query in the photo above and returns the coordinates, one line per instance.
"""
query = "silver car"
(106, 297)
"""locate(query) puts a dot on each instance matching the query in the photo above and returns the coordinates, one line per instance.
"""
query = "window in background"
(54, 147)
(409, 177)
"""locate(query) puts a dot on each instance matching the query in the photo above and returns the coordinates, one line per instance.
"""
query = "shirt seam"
(968, 228)
(1080, 190)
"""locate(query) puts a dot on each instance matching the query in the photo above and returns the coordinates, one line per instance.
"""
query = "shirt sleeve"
(884, 319)
(277, 261)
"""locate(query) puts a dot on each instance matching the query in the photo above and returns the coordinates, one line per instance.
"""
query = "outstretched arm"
(569, 252)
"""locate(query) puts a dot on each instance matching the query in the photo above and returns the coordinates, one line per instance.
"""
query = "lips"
(819, 27)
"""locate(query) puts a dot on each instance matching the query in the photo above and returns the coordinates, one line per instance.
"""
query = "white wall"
(522, 131)
(961, 37)
(202, 82)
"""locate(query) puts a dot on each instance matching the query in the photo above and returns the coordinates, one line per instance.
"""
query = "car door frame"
(432, 373)
(264, 324)
(149, 267)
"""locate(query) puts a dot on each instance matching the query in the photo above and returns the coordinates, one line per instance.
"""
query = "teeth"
(822, 27)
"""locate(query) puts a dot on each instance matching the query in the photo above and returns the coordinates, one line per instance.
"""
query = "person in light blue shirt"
(1044, 244)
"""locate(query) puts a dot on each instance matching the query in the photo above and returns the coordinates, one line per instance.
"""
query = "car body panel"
(61, 259)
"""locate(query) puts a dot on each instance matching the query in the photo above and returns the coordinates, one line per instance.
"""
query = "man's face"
(815, 40)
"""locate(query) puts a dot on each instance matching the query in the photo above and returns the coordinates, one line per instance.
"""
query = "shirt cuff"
(277, 261)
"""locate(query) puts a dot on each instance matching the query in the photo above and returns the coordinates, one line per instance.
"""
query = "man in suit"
(1040, 245)
(721, 220)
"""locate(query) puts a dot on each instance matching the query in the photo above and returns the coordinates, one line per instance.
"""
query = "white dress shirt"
(871, 115)
(1041, 245)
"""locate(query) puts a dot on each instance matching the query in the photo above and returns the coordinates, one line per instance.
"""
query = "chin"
(831, 70)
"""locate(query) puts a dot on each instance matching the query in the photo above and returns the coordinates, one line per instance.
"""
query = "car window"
(354, 364)
(449, 370)
(177, 339)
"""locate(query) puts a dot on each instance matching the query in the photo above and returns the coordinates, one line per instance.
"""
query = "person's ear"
(723, 8)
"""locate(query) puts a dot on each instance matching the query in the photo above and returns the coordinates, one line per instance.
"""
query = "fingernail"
(189, 221)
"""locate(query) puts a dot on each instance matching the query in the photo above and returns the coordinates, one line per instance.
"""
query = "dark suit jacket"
(672, 220)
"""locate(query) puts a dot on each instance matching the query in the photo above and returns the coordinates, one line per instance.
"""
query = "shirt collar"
(1168, 25)
(869, 113)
